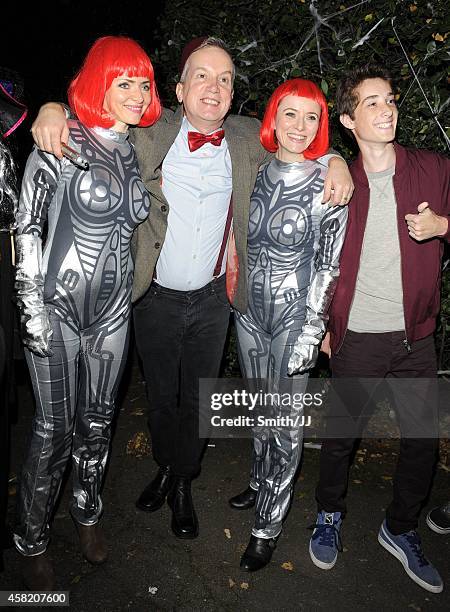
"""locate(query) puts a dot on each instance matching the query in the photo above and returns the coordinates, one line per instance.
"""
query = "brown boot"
(93, 543)
(37, 572)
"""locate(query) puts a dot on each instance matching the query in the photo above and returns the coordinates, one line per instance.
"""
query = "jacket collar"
(359, 174)
(177, 117)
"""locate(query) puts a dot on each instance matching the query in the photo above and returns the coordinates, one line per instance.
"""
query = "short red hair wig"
(303, 89)
(108, 58)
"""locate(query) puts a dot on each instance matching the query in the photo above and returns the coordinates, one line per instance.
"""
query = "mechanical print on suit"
(294, 243)
(87, 275)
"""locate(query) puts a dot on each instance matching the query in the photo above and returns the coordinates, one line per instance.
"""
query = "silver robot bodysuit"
(76, 302)
(294, 242)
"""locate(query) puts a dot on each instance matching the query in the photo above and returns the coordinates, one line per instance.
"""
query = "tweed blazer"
(152, 145)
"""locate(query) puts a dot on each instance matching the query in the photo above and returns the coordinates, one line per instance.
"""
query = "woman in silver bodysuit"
(73, 287)
(294, 242)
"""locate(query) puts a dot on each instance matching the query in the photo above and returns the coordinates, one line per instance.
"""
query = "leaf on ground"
(386, 477)
(446, 468)
(414, 607)
(152, 590)
(227, 532)
(231, 582)
(76, 579)
(357, 481)
(288, 566)
(244, 585)
(139, 445)
(137, 412)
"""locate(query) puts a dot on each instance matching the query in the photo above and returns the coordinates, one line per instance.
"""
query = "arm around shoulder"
(50, 128)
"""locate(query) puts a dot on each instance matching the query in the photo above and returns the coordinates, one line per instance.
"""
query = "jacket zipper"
(406, 343)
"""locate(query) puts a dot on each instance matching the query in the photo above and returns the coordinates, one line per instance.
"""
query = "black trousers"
(384, 355)
(180, 337)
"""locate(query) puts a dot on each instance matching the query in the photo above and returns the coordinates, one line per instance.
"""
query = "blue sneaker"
(325, 541)
(408, 550)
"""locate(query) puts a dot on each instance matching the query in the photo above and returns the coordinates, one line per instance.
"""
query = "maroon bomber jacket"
(420, 176)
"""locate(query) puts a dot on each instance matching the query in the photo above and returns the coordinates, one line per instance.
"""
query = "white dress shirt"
(198, 188)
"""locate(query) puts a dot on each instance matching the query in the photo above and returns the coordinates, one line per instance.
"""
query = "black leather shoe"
(244, 500)
(258, 553)
(184, 519)
(154, 494)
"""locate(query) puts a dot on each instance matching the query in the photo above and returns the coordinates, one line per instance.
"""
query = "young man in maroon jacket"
(383, 316)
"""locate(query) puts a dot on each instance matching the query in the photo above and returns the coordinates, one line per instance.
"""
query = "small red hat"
(189, 49)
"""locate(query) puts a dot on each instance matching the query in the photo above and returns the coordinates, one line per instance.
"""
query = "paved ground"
(150, 569)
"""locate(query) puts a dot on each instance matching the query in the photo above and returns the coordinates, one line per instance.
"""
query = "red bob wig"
(108, 58)
(303, 89)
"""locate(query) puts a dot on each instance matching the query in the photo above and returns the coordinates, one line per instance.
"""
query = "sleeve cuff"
(446, 236)
(67, 111)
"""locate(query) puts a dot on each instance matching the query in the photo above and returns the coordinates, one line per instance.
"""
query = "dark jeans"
(385, 356)
(180, 336)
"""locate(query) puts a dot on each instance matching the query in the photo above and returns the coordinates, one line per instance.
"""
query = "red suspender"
(218, 266)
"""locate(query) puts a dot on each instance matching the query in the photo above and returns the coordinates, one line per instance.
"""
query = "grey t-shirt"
(378, 301)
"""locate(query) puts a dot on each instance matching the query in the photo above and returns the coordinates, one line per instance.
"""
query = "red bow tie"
(197, 140)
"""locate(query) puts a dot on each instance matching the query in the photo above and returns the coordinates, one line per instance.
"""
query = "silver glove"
(306, 348)
(304, 355)
(34, 319)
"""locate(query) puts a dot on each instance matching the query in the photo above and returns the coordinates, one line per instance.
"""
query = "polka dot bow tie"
(197, 140)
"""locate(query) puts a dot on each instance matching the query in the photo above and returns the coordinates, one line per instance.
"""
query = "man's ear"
(347, 121)
(231, 99)
(179, 92)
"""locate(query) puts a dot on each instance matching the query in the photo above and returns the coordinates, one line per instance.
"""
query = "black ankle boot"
(37, 572)
(154, 494)
(258, 553)
(244, 500)
(92, 543)
(184, 519)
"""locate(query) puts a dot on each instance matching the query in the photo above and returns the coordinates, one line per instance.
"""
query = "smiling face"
(375, 117)
(127, 100)
(296, 126)
(207, 90)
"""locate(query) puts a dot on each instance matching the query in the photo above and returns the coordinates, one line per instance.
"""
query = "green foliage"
(443, 328)
(273, 40)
